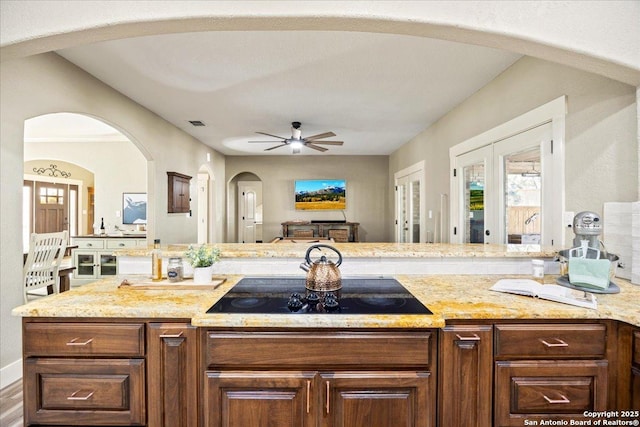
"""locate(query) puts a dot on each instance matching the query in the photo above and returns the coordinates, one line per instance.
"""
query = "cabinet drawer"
(89, 243)
(84, 391)
(636, 347)
(537, 389)
(121, 243)
(550, 341)
(304, 349)
(83, 339)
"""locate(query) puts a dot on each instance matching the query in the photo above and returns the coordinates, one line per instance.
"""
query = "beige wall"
(45, 84)
(601, 129)
(367, 189)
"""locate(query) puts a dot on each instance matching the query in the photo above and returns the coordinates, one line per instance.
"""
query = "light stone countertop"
(360, 250)
(447, 296)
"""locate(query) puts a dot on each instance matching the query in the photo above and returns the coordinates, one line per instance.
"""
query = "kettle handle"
(308, 259)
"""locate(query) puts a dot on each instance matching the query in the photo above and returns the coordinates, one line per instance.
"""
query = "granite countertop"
(361, 250)
(447, 296)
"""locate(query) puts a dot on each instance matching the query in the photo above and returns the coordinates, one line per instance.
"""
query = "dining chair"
(40, 271)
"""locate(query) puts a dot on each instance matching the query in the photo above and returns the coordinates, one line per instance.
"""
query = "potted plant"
(202, 259)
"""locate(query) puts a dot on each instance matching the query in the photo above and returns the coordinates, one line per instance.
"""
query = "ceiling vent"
(197, 122)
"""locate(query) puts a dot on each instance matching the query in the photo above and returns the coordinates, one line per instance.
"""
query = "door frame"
(553, 112)
(417, 169)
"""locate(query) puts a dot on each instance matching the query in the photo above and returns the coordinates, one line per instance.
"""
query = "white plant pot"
(202, 275)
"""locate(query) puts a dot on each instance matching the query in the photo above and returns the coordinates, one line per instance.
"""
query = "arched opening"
(245, 208)
(107, 169)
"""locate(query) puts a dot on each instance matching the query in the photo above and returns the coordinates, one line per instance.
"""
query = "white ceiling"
(375, 91)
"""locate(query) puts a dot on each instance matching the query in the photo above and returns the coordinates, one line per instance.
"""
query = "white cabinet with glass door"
(94, 257)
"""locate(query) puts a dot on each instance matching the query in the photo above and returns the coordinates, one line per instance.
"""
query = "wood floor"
(11, 405)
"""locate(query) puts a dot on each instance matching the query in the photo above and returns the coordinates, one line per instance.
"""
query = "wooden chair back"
(40, 270)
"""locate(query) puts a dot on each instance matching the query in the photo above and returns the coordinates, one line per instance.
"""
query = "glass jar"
(174, 270)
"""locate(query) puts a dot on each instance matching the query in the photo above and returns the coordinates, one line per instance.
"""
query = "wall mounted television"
(320, 194)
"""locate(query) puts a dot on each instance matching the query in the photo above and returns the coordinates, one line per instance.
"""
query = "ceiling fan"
(297, 141)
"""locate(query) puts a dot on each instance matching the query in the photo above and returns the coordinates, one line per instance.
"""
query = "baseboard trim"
(10, 373)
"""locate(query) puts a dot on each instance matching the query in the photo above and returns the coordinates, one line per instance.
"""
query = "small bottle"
(156, 261)
(102, 229)
(174, 269)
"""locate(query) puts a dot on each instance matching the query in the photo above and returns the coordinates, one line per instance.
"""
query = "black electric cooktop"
(273, 295)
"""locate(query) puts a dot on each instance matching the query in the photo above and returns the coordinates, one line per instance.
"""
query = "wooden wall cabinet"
(635, 371)
(178, 197)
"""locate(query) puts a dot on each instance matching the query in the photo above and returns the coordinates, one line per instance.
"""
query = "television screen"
(321, 194)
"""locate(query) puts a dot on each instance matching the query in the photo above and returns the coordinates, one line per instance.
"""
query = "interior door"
(51, 207)
(249, 196)
(474, 222)
(408, 208)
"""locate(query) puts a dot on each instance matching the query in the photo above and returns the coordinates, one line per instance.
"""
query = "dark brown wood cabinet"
(84, 373)
(635, 371)
(173, 387)
(329, 378)
(549, 371)
(178, 197)
(376, 398)
(465, 380)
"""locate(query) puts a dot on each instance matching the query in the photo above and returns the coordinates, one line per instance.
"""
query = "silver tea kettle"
(322, 275)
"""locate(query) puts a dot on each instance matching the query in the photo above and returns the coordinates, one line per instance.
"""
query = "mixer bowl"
(563, 257)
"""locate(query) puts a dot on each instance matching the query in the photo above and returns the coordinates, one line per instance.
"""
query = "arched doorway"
(245, 208)
(104, 164)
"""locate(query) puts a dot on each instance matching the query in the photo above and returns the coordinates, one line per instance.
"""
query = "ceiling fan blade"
(261, 142)
(329, 142)
(268, 134)
(320, 136)
(274, 147)
(315, 147)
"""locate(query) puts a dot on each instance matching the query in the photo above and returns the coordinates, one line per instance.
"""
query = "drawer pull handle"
(75, 396)
(558, 343)
(166, 335)
(308, 396)
(555, 401)
(75, 342)
(473, 337)
(327, 402)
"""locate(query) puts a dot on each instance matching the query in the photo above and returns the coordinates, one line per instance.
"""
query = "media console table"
(321, 228)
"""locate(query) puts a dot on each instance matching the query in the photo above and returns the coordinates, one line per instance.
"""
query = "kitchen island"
(167, 362)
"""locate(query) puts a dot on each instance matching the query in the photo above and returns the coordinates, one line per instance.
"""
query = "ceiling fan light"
(296, 145)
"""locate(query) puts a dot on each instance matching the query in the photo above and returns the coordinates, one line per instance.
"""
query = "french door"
(409, 210)
(502, 192)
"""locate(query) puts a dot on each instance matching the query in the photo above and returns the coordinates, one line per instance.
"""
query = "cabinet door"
(108, 264)
(86, 263)
(173, 380)
(381, 399)
(259, 399)
(465, 373)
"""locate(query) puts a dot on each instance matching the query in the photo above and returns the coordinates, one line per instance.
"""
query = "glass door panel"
(474, 190)
(108, 265)
(522, 197)
(408, 208)
(402, 223)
